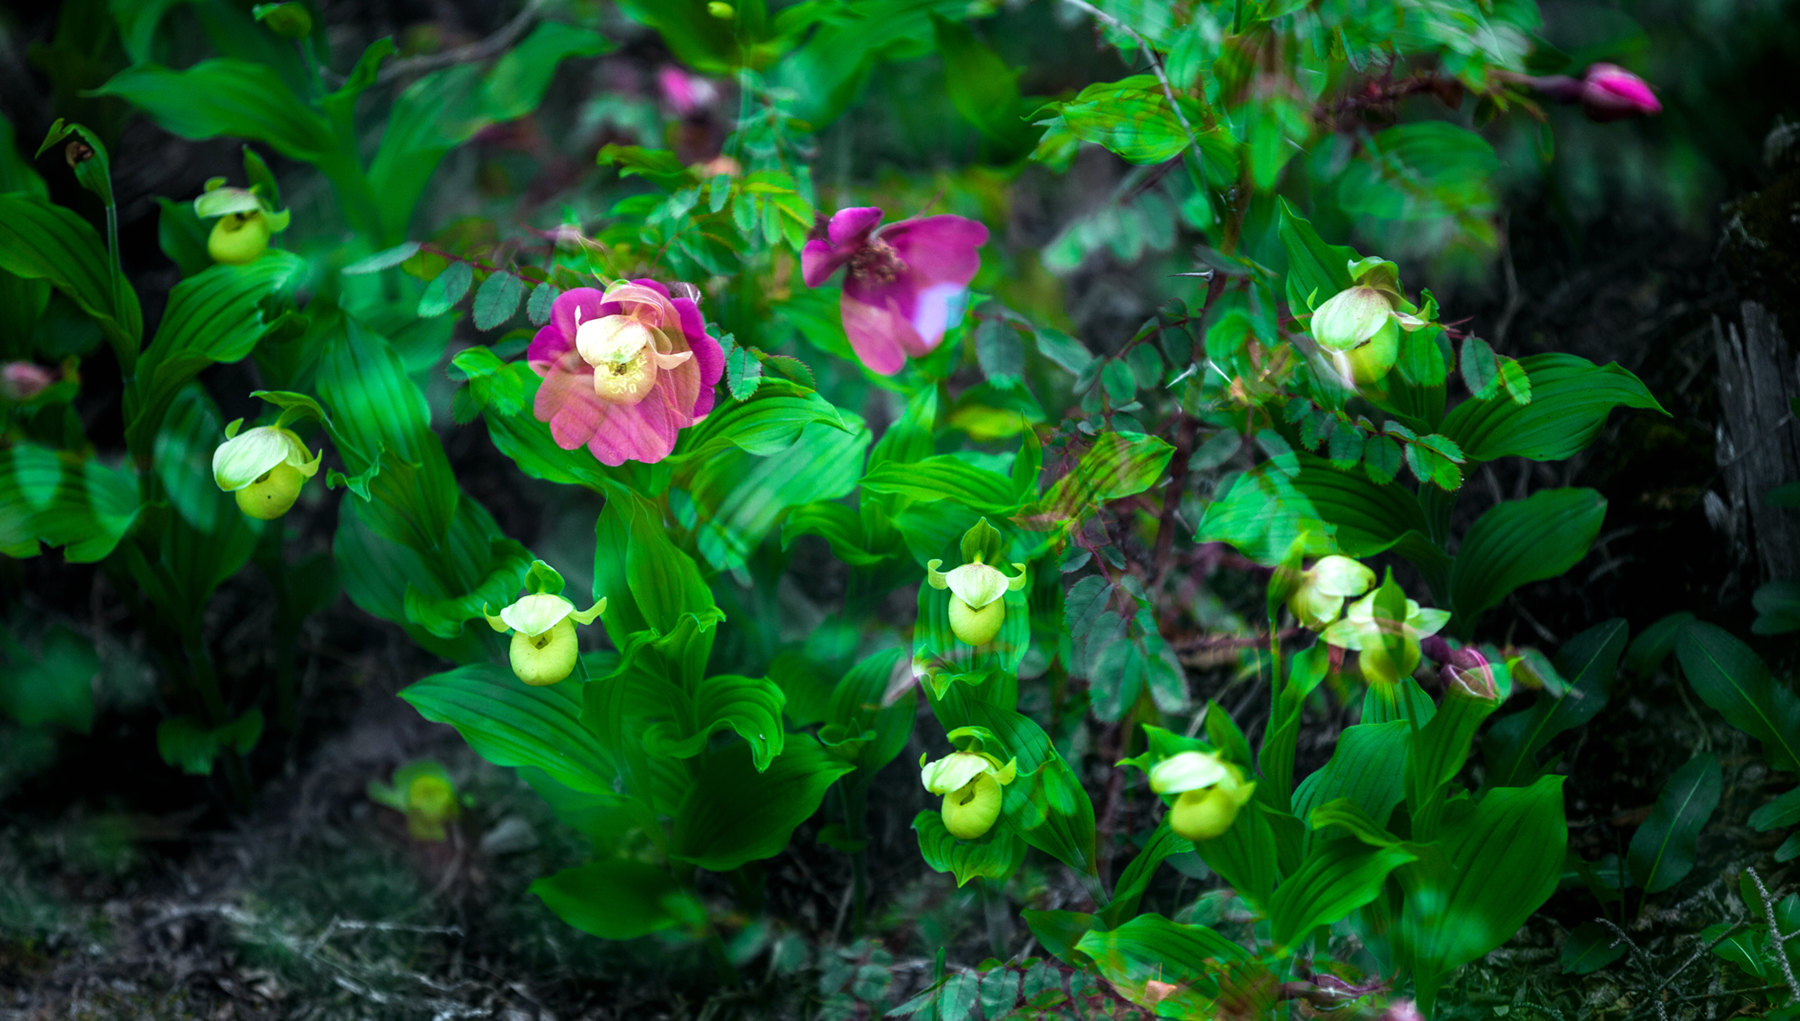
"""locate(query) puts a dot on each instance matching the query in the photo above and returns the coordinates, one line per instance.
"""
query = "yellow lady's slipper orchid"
(422, 791)
(246, 221)
(543, 628)
(1320, 595)
(1211, 793)
(263, 468)
(970, 783)
(1363, 632)
(976, 591)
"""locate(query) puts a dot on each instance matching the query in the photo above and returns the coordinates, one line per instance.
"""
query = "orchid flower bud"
(543, 647)
(976, 591)
(246, 222)
(970, 783)
(1611, 93)
(1366, 631)
(263, 468)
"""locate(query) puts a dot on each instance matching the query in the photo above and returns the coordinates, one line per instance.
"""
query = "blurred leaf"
(1425, 170)
(944, 477)
(1481, 373)
(53, 686)
(1150, 948)
(190, 746)
(1264, 515)
(1777, 607)
(61, 500)
(981, 86)
(385, 259)
(1663, 848)
(619, 899)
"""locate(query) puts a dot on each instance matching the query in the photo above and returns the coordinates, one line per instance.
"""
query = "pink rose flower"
(900, 280)
(624, 371)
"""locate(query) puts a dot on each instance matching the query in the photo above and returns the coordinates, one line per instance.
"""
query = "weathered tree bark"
(1759, 441)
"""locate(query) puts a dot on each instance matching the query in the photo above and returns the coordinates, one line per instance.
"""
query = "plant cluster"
(741, 380)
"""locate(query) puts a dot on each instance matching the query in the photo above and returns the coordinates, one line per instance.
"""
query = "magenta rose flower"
(900, 280)
(624, 371)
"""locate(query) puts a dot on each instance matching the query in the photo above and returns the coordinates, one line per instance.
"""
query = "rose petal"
(875, 334)
(849, 228)
(707, 352)
(562, 310)
(939, 249)
(818, 261)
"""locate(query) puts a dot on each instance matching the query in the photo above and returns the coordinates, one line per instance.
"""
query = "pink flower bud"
(1610, 93)
(21, 381)
(688, 94)
(1402, 1010)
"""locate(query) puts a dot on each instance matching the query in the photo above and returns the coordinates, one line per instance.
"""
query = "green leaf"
(54, 685)
(1663, 848)
(863, 701)
(1135, 880)
(1265, 516)
(1368, 767)
(1590, 947)
(1338, 877)
(1728, 676)
(445, 108)
(1192, 958)
(1522, 541)
(1501, 859)
(60, 500)
(1132, 118)
(385, 259)
(212, 318)
(999, 350)
(1245, 855)
(647, 582)
(1426, 170)
(1480, 371)
(1782, 812)
(187, 744)
(619, 899)
(1369, 519)
(1777, 607)
(769, 422)
(510, 723)
(981, 86)
(1381, 459)
(1314, 267)
(743, 371)
(1570, 401)
(543, 299)
(1591, 661)
(738, 497)
(497, 299)
(944, 477)
(751, 706)
(445, 290)
(734, 814)
(995, 855)
(1119, 464)
(41, 241)
(226, 97)
(1063, 349)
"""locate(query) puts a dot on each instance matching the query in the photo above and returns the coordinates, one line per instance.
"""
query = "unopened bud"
(721, 10)
(289, 20)
(21, 381)
(77, 152)
(1611, 93)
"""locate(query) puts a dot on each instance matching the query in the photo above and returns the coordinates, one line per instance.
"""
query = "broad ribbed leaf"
(42, 241)
(58, 499)
(226, 97)
(1522, 541)
(510, 723)
(1368, 767)
(619, 899)
(1589, 661)
(770, 422)
(1117, 465)
(1370, 519)
(1731, 678)
(1316, 270)
(1500, 861)
(213, 317)
(1135, 880)
(734, 814)
(739, 496)
(1338, 877)
(944, 477)
(1265, 516)
(995, 855)
(751, 706)
(1570, 399)
(1197, 962)
(1663, 848)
